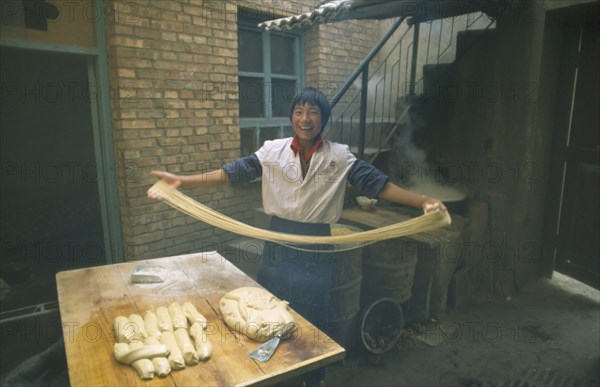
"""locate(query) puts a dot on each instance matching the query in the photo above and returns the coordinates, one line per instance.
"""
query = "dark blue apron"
(303, 278)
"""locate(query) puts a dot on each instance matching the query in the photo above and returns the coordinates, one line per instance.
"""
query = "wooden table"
(91, 298)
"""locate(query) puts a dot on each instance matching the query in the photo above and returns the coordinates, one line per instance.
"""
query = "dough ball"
(256, 313)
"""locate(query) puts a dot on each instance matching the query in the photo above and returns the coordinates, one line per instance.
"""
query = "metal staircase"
(368, 112)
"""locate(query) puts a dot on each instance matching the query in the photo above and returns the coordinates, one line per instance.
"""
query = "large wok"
(454, 196)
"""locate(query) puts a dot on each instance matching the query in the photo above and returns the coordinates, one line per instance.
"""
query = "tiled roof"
(338, 10)
(325, 13)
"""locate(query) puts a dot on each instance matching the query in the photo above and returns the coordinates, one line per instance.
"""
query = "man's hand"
(431, 204)
(169, 178)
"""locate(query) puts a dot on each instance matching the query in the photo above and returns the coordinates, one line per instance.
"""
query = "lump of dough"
(256, 313)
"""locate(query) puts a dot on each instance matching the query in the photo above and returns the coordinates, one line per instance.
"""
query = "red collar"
(296, 147)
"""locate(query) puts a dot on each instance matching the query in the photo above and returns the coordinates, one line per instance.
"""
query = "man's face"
(306, 121)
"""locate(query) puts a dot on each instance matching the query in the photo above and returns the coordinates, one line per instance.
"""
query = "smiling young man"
(304, 181)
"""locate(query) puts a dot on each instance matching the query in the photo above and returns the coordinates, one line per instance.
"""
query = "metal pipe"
(362, 124)
(413, 65)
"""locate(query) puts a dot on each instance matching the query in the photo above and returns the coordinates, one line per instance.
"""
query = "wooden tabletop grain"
(91, 298)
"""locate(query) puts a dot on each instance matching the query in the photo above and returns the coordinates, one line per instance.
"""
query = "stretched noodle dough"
(185, 204)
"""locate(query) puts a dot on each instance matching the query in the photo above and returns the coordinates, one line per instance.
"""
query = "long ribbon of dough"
(178, 200)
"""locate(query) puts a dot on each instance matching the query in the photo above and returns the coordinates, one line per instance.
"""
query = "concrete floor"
(545, 335)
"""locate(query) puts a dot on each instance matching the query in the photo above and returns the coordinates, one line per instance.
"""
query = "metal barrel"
(344, 305)
(388, 270)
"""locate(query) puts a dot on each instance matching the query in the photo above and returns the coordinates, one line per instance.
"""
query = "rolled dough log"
(151, 324)
(138, 356)
(190, 356)
(201, 343)
(192, 314)
(175, 357)
(177, 316)
(121, 326)
(144, 367)
(161, 364)
(139, 330)
(164, 319)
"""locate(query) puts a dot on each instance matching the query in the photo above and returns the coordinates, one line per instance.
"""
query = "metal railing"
(349, 124)
(366, 116)
(28, 312)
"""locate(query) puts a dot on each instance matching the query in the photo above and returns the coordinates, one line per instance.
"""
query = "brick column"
(173, 69)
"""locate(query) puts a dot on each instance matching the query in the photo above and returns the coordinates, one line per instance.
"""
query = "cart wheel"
(381, 325)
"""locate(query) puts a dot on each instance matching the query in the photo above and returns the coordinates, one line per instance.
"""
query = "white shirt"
(316, 198)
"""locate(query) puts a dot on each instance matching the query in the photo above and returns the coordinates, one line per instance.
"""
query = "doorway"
(51, 214)
(573, 224)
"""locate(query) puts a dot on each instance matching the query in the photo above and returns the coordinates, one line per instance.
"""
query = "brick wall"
(173, 65)
(334, 50)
